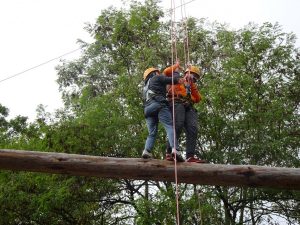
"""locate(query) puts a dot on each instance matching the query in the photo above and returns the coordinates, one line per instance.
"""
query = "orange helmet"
(148, 71)
(194, 69)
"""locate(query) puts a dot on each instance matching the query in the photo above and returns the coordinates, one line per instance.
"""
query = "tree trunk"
(158, 170)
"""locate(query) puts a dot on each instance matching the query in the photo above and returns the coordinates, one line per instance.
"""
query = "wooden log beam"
(157, 170)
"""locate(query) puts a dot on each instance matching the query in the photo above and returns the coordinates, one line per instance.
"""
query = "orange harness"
(181, 95)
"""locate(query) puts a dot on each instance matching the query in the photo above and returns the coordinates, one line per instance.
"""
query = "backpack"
(147, 93)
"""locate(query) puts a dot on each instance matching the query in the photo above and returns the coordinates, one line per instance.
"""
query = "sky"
(34, 32)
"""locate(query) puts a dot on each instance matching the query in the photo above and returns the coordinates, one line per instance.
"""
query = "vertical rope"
(173, 32)
(187, 63)
(185, 37)
(185, 41)
(184, 45)
(174, 50)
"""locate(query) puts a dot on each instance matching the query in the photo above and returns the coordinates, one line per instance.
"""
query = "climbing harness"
(148, 94)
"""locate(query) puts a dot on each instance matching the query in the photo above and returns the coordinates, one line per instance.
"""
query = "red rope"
(187, 64)
(174, 50)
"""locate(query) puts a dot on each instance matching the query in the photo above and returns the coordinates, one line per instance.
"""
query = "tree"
(250, 114)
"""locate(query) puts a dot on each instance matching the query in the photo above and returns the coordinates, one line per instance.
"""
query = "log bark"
(157, 170)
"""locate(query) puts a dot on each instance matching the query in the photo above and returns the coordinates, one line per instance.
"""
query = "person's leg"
(165, 118)
(152, 125)
(179, 111)
(151, 114)
(151, 109)
(191, 128)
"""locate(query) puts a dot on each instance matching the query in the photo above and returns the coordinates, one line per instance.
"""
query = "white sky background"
(35, 31)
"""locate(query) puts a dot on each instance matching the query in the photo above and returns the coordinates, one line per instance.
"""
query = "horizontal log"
(157, 170)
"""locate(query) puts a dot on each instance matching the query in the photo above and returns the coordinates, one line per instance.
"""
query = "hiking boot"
(169, 157)
(146, 154)
(194, 159)
(177, 157)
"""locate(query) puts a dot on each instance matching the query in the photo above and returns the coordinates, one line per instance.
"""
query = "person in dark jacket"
(156, 108)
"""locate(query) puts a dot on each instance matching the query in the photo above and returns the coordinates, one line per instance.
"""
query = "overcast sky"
(35, 31)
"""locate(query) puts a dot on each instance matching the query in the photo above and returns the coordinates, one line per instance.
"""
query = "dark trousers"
(186, 118)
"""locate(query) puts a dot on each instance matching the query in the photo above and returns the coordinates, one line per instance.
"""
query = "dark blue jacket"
(158, 84)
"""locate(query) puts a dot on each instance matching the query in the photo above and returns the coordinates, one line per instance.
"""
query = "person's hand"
(181, 80)
(187, 77)
(177, 64)
(188, 66)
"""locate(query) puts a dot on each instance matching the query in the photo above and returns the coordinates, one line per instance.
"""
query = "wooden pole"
(158, 170)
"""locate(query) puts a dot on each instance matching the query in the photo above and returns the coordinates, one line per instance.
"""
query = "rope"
(186, 42)
(174, 49)
(173, 33)
(186, 59)
(186, 38)
(180, 6)
(34, 67)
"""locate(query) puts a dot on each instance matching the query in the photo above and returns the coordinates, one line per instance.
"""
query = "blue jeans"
(160, 113)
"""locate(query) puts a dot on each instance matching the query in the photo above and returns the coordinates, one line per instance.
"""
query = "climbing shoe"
(146, 155)
(194, 159)
(176, 156)
(169, 157)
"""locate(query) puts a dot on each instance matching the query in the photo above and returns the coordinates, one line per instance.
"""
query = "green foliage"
(249, 115)
(28, 198)
(248, 109)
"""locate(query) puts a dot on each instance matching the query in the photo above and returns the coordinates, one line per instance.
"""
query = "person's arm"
(168, 80)
(195, 94)
(168, 71)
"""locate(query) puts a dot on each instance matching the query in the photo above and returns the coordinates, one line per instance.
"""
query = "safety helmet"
(148, 71)
(193, 69)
